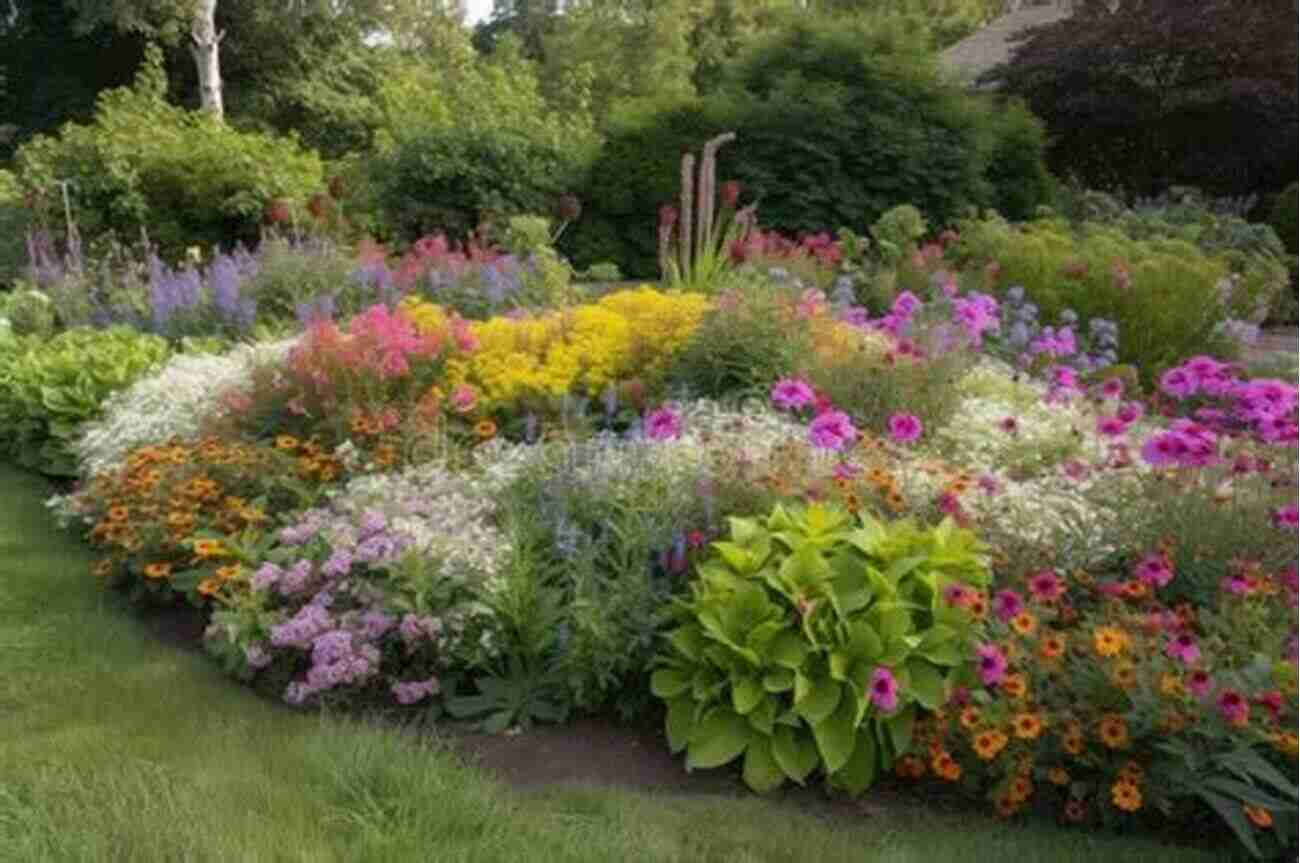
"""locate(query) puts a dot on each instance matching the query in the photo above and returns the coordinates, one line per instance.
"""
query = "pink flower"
(1113, 388)
(958, 594)
(1287, 517)
(905, 305)
(1183, 648)
(1237, 585)
(884, 689)
(1129, 412)
(1007, 604)
(904, 428)
(1178, 382)
(1010, 425)
(663, 424)
(463, 399)
(1199, 683)
(1234, 707)
(1272, 702)
(992, 664)
(1046, 586)
(832, 430)
(1111, 426)
(989, 484)
(792, 394)
(845, 470)
(1154, 569)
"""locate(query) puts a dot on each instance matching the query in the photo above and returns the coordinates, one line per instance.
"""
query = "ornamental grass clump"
(811, 641)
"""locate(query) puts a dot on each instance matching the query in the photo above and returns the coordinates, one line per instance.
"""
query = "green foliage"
(898, 230)
(470, 141)
(744, 344)
(834, 127)
(13, 229)
(182, 176)
(779, 649)
(1283, 219)
(28, 312)
(1168, 297)
(48, 388)
(288, 274)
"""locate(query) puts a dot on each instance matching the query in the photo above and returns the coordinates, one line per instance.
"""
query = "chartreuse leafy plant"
(810, 640)
(49, 387)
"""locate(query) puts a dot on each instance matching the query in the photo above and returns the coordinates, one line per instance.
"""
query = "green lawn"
(116, 747)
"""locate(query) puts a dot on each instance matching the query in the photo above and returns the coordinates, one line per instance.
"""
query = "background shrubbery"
(183, 178)
(834, 128)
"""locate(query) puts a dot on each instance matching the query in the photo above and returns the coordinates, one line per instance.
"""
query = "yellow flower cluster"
(578, 350)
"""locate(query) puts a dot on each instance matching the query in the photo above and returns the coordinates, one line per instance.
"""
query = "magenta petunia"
(1111, 426)
(1007, 604)
(1178, 382)
(904, 428)
(1183, 647)
(1234, 707)
(1113, 388)
(663, 424)
(884, 689)
(1287, 517)
(1199, 683)
(1046, 586)
(1154, 569)
(992, 664)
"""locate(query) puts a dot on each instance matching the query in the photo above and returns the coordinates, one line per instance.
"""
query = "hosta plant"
(810, 640)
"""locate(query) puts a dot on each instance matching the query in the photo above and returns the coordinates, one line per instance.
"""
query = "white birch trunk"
(205, 46)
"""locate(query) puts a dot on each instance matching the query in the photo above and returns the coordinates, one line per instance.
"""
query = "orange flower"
(1132, 771)
(1024, 623)
(1027, 726)
(286, 442)
(1286, 742)
(910, 767)
(945, 767)
(118, 513)
(102, 569)
(1126, 796)
(1109, 641)
(485, 429)
(1171, 685)
(989, 743)
(209, 586)
(978, 607)
(1051, 647)
(157, 570)
(1258, 816)
(1058, 776)
(1113, 731)
(1072, 740)
(1014, 685)
(969, 717)
(208, 548)
(1020, 789)
(229, 573)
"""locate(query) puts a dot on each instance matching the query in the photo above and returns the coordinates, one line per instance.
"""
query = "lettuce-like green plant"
(810, 640)
(48, 388)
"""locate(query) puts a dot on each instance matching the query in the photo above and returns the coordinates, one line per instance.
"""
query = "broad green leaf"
(860, 772)
(926, 684)
(718, 738)
(689, 641)
(763, 717)
(787, 649)
(778, 680)
(669, 682)
(816, 698)
(679, 724)
(899, 729)
(746, 693)
(795, 752)
(836, 736)
(761, 771)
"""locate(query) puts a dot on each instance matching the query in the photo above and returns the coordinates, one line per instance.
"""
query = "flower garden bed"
(830, 527)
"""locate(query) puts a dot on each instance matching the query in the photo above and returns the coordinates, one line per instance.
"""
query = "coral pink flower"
(1154, 569)
(1046, 586)
(1183, 647)
(1199, 683)
(463, 399)
(1234, 707)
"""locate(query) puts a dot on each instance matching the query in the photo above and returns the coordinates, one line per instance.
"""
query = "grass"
(114, 746)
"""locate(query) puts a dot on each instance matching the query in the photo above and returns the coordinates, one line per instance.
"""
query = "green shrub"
(1283, 220)
(795, 628)
(13, 229)
(48, 388)
(182, 176)
(28, 312)
(1168, 297)
(832, 131)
